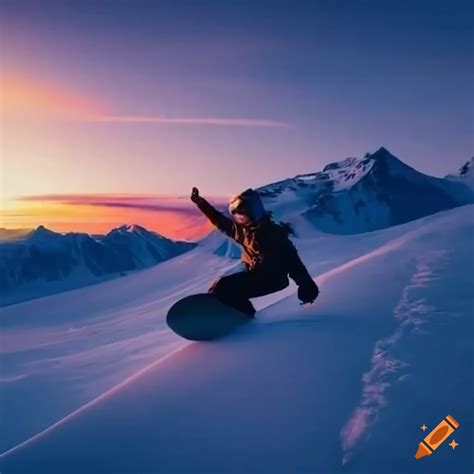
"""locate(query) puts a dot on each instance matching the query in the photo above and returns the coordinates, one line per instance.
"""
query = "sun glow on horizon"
(99, 217)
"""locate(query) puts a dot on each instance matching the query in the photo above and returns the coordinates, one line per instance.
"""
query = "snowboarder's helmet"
(248, 203)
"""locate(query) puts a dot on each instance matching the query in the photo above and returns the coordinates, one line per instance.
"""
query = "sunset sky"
(112, 109)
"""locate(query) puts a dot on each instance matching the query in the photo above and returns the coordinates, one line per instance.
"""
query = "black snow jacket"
(266, 245)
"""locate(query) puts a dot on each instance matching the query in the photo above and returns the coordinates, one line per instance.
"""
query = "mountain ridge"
(351, 196)
(44, 256)
(363, 194)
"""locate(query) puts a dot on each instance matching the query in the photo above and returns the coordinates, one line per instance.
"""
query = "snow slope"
(89, 339)
(340, 386)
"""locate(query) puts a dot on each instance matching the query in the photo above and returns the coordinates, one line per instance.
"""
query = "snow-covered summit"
(132, 229)
(341, 174)
(363, 194)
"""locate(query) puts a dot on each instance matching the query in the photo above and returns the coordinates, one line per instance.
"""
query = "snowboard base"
(203, 317)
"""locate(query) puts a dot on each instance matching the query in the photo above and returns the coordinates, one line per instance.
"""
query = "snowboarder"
(268, 254)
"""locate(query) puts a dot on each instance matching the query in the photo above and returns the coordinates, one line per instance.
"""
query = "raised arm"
(223, 223)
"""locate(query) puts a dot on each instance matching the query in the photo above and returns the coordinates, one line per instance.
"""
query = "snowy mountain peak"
(125, 228)
(41, 232)
(363, 194)
(137, 228)
(344, 164)
(134, 230)
(131, 228)
(382, 152)
(340, 175)
(389, 163)
(41, 236)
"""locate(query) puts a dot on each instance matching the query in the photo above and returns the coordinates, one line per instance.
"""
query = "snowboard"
(204, 317)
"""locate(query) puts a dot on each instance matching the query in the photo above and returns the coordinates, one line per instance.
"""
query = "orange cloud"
(23, 96)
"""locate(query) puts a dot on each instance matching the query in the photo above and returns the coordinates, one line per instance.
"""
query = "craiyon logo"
(437, 437)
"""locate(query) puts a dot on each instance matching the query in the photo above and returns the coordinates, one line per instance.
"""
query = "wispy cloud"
(226, 122)
(79, 198)
(137, 201)
(25, 96)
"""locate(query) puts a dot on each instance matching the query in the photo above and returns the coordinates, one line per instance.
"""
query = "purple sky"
(156, 97)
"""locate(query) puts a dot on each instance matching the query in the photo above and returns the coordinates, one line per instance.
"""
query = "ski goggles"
(237, 206)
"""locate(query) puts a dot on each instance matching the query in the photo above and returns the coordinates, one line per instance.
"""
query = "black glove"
(308, 292)
(195, 196)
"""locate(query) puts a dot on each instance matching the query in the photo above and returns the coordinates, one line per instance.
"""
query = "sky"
(104, 100)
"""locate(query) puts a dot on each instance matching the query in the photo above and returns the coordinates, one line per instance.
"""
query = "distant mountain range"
(9, 234)
(364, 194)
(347, 197)
(43, 256)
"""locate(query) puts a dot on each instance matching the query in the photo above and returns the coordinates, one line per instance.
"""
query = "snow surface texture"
(92, 380)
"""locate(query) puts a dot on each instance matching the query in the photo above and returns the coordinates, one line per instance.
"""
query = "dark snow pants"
(236, 289)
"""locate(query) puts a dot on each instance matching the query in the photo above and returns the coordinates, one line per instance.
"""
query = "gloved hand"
(308, 292)
(195, 196)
